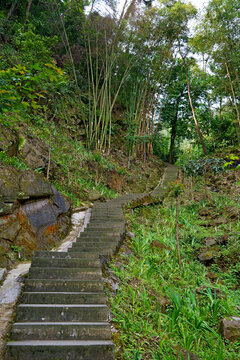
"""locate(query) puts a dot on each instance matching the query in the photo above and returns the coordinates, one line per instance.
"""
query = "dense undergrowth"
(81, 174)
(163, 311)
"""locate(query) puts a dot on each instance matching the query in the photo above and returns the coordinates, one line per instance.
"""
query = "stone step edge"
(51, 343)
(65, 292)
(67, 269)
(28, 281)
(33, 306)
(63, 323)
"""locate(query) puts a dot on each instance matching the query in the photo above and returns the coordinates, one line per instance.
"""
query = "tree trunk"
(28, 10)
(233, 92)
(192, 107)
(173, 134)
(11, 9)
(174, 130)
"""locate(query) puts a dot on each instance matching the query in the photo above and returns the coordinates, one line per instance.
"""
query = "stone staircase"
(63, 313)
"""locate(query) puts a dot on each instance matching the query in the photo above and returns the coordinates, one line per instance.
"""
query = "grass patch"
(163, 312)
(5, 159)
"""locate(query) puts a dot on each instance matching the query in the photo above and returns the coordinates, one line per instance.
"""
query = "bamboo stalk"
(191, 104)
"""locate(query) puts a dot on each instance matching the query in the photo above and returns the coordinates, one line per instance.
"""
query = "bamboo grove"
(172, 81)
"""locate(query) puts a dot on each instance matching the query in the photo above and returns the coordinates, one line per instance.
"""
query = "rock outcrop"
(33, 214)
(31, 149)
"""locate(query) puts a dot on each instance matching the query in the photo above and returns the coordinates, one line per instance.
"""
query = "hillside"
(187, 307)
(99, 102)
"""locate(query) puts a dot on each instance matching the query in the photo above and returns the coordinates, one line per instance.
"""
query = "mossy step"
(65, 263)
(61, 331)
(60, 312)
(43, 285)
(65, 273)
(63, 298)
(60, 350)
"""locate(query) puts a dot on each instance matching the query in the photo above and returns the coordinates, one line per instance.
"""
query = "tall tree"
(218, 36)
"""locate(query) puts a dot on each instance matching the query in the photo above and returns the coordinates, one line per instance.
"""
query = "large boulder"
(33, 214)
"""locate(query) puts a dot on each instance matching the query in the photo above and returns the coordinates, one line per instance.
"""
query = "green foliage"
(22, 141)
(16, 248)
(161, 145)
(34, 47)
(231, 159)
(202, 165)
(12, 160)
(176, 188)
(29, 87)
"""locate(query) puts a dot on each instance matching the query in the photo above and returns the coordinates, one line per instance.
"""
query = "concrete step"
(107, 213)
(61, 331)
(102, 234)
(101, 218)
(93, 240)
(109, 205)
(65, 263)
(65, 273)
(108, 210)
(60, 350)
(107, 221)
(60, 312)
(104, 230)
(96, 244)
(63, 298)
(99, 236)
(80, 254)
(52, 285)
(100, 251)
(61, 255)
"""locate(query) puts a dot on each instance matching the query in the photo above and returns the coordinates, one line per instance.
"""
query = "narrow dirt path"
(63, 313)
